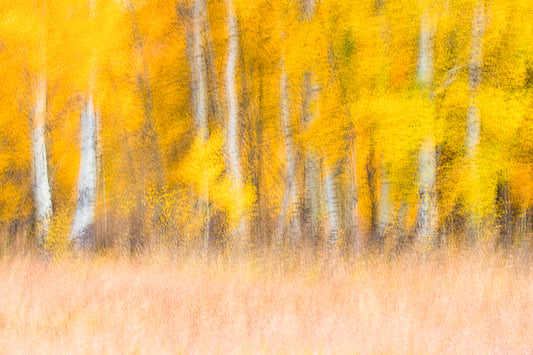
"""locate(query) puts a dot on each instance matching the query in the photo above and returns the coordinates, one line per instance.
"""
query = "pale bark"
(353, 195)
(199, 86)
(425, 54)
(385, 205)
(145, 88)
(312, 163)
(313, 178)
(473, 124)
(474, 78)
(290, 206)
(428, 209)
(333, 207)
(427, 213)
(212, 76)
(81, 234)
(41, 188)
(199, 73)
(240, 234)
(308, 9)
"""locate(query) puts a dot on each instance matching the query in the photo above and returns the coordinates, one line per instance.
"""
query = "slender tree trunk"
(290, 206)
(145, 88)
(152, 176)
(240, 234)
(82, 234)
(353, 195)
(199, 85)
(212, 76)
(333, 207)
(385, 204)
(428, 208)
(385, 207)
(308, 9)
(473, 125)
(41, 188)
(312, 163)
(199, 72)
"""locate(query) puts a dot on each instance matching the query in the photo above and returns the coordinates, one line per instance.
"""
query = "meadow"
(470, 303)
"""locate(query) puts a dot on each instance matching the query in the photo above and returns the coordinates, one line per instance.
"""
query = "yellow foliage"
(204, 164)
(135, 56)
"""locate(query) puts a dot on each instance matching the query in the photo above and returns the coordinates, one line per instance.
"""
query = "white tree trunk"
(199, 70)
(290, 207)
(473, 124)
(308, 9)
(385, 207)
(425, 51)
(41, 188)
(199, 85)
(474, 78)
(240, 234)
(312, 163)
(385, 204)
(81, 234)
(313, 188)
(353, 195)
(333, 208)
(428, 209)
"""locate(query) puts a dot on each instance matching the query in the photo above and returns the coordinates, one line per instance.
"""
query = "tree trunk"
(385, 203)
(145, 88)
(385, 207)
(199, 85)
(353, 195)
(240, 233)
(82, 235)
(333, 208)
(290, 206)
(312, 163)
(473, 125)
(41, 188)
(428, 209)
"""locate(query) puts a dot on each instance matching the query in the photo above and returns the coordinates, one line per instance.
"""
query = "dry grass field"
(449, 304)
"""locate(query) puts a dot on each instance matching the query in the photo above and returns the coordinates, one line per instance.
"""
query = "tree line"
(242, 125)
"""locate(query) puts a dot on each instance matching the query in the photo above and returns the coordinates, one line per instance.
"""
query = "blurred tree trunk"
(82, 234)
(385, 203)
(312, 166)
(333, 207)
(41, 186)
(354, 228)
(82, 231)
(200, 96)
(290, 208)
(428, 208)
(312, 163)
(145, 88)
(473, 125)
(240, 233)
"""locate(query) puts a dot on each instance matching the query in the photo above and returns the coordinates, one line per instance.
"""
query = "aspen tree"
(82, 234)
(473, 123)
(41, 186)
(240, 233)
(428, 209)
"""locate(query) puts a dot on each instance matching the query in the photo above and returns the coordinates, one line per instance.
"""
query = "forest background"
(205, 126)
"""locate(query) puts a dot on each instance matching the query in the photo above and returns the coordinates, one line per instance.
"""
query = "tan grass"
(468, 304)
